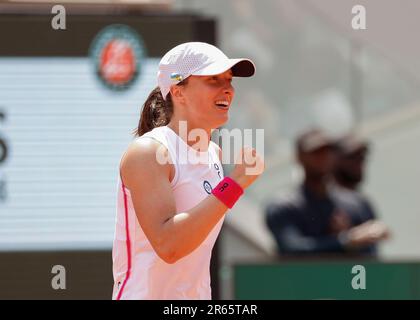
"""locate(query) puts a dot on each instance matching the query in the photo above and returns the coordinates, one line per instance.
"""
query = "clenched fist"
(248, 167)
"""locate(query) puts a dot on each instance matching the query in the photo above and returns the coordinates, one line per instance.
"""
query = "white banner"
(62, 134)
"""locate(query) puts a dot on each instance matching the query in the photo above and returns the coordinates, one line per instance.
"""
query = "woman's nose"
(228, 88)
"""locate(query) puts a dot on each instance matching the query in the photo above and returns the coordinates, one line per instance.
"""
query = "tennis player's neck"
(196, 137)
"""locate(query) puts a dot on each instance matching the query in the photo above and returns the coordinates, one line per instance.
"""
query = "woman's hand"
(249, 166)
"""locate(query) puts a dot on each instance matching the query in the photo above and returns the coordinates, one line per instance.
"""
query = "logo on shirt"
(218, 170)
(207, 186)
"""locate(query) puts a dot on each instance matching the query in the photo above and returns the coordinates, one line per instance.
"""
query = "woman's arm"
(172, 235)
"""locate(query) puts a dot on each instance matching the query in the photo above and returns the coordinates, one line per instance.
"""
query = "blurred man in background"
(348, 174)
(319, 217)
(352, 152)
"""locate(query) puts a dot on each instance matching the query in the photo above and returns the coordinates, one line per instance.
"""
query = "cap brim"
(239, 67)
(316, 145)
(314, 141)
(352, 143)
(353, 148)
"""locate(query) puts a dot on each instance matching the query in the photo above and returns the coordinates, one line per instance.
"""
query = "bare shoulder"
(144, 157)
(142, 151)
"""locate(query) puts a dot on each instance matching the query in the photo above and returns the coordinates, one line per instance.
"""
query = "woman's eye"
(216, 79)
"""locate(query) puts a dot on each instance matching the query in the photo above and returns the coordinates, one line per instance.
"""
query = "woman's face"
(207, 99)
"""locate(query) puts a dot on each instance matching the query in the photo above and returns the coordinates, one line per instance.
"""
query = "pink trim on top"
(128, 244)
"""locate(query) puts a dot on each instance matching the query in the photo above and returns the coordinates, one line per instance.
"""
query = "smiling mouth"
(222, 104)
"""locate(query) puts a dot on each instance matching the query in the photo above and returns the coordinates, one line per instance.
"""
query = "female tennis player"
(169, 213)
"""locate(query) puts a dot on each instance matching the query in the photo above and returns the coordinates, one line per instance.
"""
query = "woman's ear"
(177, 94)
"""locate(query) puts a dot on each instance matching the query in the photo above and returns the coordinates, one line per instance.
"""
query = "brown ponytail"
(156, 111)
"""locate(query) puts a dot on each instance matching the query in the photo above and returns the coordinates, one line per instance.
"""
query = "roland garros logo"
(117, 52)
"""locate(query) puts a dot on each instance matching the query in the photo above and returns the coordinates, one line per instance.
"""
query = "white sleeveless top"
(138, 271)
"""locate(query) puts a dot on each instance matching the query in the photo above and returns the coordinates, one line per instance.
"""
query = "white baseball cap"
(198, 59)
